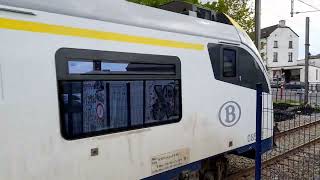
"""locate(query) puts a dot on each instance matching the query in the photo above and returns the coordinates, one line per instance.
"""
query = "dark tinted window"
(234, 65)
(91, 106)
(95, 101)
(229, 63)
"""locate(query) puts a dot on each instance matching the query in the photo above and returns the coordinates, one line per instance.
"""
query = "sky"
(272, 11)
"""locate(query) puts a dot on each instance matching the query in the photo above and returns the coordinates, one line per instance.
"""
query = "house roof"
(265, 32)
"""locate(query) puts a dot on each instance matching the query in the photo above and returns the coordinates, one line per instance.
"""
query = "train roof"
(123, 12)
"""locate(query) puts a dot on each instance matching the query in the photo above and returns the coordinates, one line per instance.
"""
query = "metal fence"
(296, 149)
(297, 94)
(296, 154)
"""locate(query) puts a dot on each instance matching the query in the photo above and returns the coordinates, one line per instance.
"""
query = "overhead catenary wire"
(309, 5)
(307, 11)
(300, 12)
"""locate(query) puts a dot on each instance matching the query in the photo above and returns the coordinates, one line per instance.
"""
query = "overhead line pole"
(257, 23)
(259, 96)
(306, 63)
(307, 52)
(292, 8)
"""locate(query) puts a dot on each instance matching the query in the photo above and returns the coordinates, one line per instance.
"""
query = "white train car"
(114, 90)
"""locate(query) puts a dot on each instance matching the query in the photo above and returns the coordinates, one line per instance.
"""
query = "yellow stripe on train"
(93, 34)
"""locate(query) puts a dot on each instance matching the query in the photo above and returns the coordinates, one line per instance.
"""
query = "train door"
(237, 66)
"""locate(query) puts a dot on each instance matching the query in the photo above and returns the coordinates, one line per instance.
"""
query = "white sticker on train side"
(170, 160)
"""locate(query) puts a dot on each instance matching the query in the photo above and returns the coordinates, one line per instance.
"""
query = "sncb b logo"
(229, 113)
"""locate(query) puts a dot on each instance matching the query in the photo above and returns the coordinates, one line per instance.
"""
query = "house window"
(290, 45)
(275, 44)
(275, 57)
(102, 92)
(290, 57)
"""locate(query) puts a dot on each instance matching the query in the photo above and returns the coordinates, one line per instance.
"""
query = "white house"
(314, 69)
(280, 51)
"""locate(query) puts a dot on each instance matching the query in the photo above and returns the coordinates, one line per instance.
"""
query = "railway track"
(244, 173)
(247, 172)
(295, 129)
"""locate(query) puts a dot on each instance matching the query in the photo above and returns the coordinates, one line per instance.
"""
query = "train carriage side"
(87, 99)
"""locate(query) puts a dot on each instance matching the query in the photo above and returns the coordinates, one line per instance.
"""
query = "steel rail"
(289, 131)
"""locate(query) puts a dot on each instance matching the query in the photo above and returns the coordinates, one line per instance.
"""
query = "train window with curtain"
(108, 92)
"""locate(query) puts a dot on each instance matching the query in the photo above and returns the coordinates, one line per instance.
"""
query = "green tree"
(240, 10)
(152, 3)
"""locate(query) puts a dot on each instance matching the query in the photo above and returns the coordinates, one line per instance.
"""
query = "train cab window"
(235, 65)
(109, 92)
(229, 63)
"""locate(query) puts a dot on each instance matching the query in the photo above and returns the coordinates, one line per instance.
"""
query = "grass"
(288, 102)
